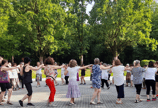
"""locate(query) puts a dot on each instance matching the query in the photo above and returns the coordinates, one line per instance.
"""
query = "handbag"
(4, 77)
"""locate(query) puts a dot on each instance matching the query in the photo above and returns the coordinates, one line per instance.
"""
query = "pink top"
(49, 71)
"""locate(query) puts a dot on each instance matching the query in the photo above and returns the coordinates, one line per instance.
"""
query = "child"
(82, 75)
(105, 77)
(73, 89)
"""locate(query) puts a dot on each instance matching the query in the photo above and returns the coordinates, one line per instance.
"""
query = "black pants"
(120, 91)
(150, 83)
(66, 79)
(29, 88)
(104, 81)
(138, 88)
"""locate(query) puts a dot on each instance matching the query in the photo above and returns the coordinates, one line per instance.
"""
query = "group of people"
(100, 75)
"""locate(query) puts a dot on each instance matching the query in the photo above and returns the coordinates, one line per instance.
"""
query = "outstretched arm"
(36, 68)
(104, 68)
(8, 68)
(84, 67)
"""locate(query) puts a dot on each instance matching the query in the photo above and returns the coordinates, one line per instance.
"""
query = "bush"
(146, 62)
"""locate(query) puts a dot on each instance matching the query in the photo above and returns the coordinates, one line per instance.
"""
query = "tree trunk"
(41, 59)
(81, 59)
(12, 59)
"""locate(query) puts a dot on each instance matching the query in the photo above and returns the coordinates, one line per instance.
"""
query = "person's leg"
(94, 94)
(1, 96)
(27, 95)
(98, 94)
(29, 92)
(147, 88)
(84, 80)
(51, 86)
(102, 82)
(120, 91)
(81, 79)
(126, 80)
(9, 94)
(107, 84)
(153, 89)
(157, 88)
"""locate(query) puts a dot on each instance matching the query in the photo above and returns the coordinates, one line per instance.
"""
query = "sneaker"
(148, 100)
(92, 103)
(51, 105)
(84, 84)
(81, 84)
(108, 88)
(153, 99)
(70, 104)
(156, 95)
(100, 102)
(30, 104)
(118, 102)
(21, 103)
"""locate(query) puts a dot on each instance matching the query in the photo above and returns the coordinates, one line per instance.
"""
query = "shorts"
(5, 86)
(38, 77)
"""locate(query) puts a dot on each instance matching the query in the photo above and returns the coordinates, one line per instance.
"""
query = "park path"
(108, 97)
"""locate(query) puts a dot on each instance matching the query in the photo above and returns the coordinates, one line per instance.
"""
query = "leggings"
(29, 88)
(66, 79)
(104, 81)
(150, 83)
(138, 88)
(51, 86)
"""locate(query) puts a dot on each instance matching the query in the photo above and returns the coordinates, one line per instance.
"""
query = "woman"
(38, 75)
(96, 80)
(82, 76)
(27, 72)
(128, 76)
(73, 89)
(150, 80)
(50, 78)
(104, 78)
(6, 86)
(137, 73)
(118, 75)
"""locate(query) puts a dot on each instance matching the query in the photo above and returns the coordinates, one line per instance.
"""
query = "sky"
(89, 8)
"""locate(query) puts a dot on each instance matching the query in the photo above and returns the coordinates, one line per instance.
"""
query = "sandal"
(92, 103)
(118, 102)
(139, 100)
(9, 103)
(136, 101)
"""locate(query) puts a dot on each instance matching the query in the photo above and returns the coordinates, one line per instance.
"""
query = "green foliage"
(146, 62)
(119, 23)
(41, 24)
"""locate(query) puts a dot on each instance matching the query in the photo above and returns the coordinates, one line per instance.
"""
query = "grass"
(88, 73)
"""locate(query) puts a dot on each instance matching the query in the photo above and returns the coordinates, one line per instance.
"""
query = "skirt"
(73, 89)
(62, 76)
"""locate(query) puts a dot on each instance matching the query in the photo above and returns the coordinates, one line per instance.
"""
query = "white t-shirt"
(118, 74)
(39, 71)
(105, 74)
(73, 72)
(150, 74)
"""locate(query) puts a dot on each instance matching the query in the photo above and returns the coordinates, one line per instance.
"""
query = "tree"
(79, 30)
(122, 23)
(41, 25)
